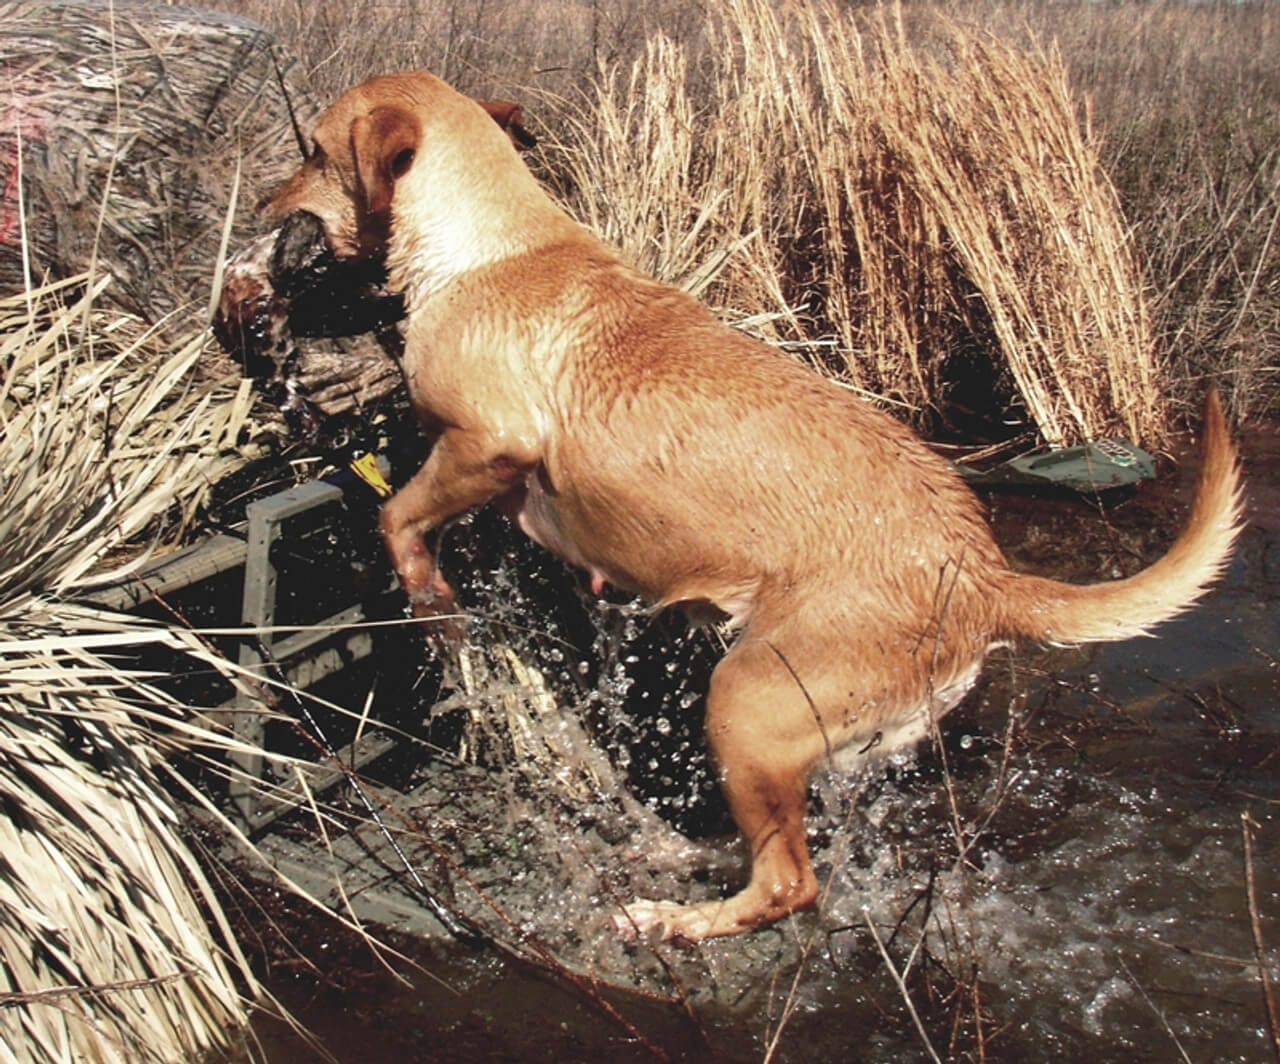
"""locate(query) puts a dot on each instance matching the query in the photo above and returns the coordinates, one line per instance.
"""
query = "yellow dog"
(626, 429)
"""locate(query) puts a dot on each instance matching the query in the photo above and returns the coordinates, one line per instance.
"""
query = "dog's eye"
(402, 161)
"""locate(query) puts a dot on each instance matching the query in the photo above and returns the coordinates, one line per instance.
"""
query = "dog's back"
(628, 430)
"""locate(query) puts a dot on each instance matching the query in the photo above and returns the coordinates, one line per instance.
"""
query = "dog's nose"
(263, 205)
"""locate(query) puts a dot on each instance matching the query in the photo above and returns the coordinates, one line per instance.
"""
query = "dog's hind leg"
(765, 736)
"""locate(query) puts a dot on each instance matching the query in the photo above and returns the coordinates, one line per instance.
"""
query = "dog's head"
(368, 140)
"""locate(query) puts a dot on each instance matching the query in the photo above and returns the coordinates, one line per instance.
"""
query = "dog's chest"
(465, 370)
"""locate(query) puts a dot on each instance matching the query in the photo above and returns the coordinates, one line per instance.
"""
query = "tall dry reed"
(112, 944)
(905, 195)
(1186, 98)
(1181, 102)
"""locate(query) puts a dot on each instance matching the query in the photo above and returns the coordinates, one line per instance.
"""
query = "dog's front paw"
(446, 634)
(444, 624)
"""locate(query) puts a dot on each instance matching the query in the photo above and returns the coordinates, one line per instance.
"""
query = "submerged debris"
(1090, 467)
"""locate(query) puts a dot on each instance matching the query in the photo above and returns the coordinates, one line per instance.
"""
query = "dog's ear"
(383, 144)
(509, 116)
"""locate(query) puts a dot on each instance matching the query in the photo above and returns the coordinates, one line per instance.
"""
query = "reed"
(908, 195)
(1169, 110)
(112, 944)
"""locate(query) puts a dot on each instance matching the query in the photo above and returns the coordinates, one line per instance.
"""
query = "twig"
(1220, 958)
(1154, 1008)
(902, 987)
(9, 999)
(458, 927)
(813, 708)
(792, 998)
(963, 843)
(789, 1005)
(666, 966)
(1247, 825)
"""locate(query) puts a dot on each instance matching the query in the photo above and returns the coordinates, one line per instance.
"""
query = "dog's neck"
(435, 239)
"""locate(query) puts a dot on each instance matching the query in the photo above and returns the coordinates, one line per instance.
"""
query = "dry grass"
(109, 949)
(111, 941)
(104, 428)
(1186, 101)
(488, 47)
(1181, 102)
(918, 201)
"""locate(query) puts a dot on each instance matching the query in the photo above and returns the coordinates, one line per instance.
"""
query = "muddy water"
(1062, 878)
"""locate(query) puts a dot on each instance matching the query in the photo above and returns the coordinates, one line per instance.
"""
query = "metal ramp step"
(358, 872)
(306, 654)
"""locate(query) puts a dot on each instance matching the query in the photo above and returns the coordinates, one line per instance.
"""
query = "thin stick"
(458, 928)
(228, 223)
(902, 988)
(8, 999)
(1247, 825)
(789, 1005)
(813, 708)
(1156, 1009)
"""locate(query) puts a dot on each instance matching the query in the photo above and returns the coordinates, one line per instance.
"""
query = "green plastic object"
(1090, 467)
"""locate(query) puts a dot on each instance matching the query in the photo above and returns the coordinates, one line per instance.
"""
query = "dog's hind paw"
(668, 921)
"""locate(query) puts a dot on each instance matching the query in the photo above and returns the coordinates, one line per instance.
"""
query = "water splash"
(1037, 873)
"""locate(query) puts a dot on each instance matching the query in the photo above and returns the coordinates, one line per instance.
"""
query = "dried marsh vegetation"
(1179, 102)
(1186, 101)
(103, 432)
(914, 212)
(112, 942)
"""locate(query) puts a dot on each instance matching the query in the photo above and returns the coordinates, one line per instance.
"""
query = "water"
(1064, 878)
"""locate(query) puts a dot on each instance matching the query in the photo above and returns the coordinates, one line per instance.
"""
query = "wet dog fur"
(626, 429)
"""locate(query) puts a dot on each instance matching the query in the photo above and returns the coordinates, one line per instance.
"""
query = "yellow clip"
(366, 468)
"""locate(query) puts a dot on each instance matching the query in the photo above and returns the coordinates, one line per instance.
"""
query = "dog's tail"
(1067, 613)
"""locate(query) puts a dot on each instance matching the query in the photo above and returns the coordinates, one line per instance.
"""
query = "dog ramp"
(305, 653)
